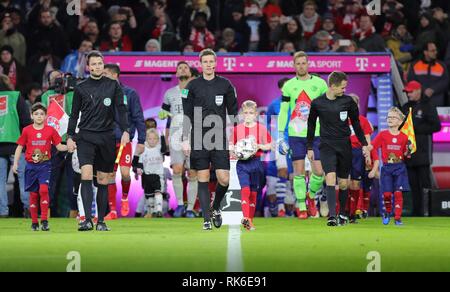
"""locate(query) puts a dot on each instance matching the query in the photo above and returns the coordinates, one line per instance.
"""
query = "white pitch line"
(234, 252)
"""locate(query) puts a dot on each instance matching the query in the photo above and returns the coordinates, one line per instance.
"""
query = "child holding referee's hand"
(38, 139)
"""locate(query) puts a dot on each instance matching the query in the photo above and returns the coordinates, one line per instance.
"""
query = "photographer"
(61, 90)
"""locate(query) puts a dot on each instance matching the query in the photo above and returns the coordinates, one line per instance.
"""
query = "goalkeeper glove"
(163, 114)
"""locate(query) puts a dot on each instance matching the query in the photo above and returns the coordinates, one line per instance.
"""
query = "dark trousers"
(61, 165)
(419, 179)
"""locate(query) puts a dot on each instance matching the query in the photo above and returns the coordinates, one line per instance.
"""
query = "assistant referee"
(96, 99)
(334, 109)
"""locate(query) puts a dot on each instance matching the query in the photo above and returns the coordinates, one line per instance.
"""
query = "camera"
(65, 84)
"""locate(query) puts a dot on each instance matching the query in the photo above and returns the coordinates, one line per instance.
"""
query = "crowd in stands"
(37, 37)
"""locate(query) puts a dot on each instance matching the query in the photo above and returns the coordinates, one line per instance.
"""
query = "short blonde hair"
(207, 52)
(249, 104)
(300, 54)
(152, 131)
(396, 110)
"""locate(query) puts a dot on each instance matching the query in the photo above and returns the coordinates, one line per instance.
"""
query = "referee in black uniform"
(206, 102)
(96, 98)
(333, 109)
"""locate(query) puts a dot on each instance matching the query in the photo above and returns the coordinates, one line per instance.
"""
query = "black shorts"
(204, 159)
(336, 156)
(151, 183)
(97, 148)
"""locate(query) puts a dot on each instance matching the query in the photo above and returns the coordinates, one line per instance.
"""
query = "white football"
(245, 148)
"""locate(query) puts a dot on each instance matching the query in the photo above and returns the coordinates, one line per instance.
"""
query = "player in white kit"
(173, 107)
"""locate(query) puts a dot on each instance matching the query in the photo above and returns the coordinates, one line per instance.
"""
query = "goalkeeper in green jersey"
(298, 93)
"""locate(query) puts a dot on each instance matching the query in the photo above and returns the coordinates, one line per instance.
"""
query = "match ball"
(246, 148)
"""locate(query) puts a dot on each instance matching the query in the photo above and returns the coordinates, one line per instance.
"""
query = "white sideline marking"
(234, 252)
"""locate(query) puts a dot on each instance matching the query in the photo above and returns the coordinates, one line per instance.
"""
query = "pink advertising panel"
(255, 64)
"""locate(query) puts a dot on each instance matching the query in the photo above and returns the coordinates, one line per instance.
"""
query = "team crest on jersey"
(343, 116)
(39, 135)
(219, 100)
(394, 140)
(184, 93)
(107, 101)
(3, 105)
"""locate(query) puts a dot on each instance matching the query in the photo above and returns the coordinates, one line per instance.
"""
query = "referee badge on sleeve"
(184, 93)
(219, 100)
(343, 116)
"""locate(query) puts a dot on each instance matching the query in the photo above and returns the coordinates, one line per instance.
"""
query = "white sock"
(178, 188)
(150, 204)
(158, 202)
(192, 193)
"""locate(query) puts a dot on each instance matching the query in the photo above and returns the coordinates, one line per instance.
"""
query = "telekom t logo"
(229, 63)
(362, 63)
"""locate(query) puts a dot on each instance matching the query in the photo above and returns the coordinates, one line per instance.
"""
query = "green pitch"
(422, 244)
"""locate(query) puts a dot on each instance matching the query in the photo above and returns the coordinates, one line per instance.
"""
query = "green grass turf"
(278, 244)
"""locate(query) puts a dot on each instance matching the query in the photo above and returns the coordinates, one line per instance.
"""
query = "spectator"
(152, 45)
(269, 33)
(117, 41)
(33, 94)
(201, 38)
(272, 8)
(91, 32)
(428, 32)
(240, 26)
(350, 47)
(158, 27)
(125, 16)
(10, 36)
(9, 66)
(187, 48)
(75, 63)
(442, 22)
(229, 42)
(17, 20)
(322, 42)
(253, 15)
(366, 36)
(400, 43)
(74, 24)
(287, 47)
(47, 30)
(309, 19)
(390, 18)
(347, 16)
(291, 7)
(19, 116)
(329, 25)
(190, 12)
(432, 74)
(426, 122)
(42, 63)
(292, 32)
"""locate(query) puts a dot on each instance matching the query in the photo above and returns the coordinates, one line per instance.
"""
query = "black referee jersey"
(212, 97)
(333, 116)
(97, 100)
